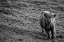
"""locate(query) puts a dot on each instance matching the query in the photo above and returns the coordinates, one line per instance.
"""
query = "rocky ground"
(19, 20)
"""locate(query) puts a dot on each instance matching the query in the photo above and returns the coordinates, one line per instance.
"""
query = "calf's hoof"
(52, 37)
(48, 37)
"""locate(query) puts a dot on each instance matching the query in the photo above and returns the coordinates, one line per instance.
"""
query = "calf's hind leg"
(48, 35)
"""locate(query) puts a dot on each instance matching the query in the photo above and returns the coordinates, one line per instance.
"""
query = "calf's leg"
(48, 35)
(52, 32)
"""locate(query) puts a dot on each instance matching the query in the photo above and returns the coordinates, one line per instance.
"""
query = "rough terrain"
(19, 20)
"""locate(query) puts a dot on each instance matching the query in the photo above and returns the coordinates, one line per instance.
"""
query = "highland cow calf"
(47, 23)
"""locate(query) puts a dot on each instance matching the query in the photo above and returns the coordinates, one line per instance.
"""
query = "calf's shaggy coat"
(48, 24)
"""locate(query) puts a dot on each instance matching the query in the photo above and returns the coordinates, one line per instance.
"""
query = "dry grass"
(19, 20)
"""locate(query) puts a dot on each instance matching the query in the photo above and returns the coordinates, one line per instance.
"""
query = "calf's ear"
(45, 15)
(54, 15)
